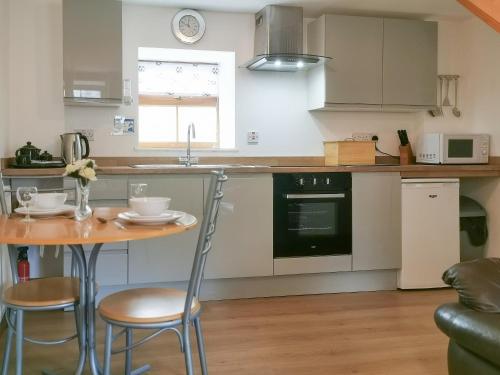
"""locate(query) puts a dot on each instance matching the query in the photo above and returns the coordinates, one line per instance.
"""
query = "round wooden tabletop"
(64, 231)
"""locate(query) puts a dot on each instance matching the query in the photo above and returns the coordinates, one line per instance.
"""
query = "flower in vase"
(88, 173)
(84, 170)
(71, 168)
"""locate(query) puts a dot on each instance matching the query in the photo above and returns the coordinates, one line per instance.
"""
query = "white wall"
(4, 120)
(36, 104)
(477, 56)
(272, 103)
(4, 74)
(472, 50)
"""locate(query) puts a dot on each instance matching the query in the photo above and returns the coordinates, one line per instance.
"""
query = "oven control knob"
(301, 181)
(314, 181)
(327, 181)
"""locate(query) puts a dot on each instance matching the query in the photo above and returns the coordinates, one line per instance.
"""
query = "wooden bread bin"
(349, 153)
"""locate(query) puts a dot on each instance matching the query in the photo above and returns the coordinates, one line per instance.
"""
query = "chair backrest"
(207, 230)
(3, 201)
(12, 249)
(13, 252)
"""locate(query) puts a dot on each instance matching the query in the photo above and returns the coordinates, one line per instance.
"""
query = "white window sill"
(183, 150)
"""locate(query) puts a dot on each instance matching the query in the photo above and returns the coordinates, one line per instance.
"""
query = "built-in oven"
(312, 214)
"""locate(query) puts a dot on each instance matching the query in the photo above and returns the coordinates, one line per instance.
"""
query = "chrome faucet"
(187, 160)
(191, 128)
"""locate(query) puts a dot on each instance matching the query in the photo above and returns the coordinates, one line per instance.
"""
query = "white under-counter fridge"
(430, 231)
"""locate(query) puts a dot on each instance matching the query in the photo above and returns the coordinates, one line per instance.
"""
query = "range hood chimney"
(278, 44)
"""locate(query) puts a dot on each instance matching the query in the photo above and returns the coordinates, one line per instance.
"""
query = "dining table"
(102, 227)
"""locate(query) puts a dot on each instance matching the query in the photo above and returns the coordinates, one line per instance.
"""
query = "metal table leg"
(79, 256)
(91, 319)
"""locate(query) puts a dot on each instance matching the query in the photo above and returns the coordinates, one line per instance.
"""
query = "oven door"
(313, 224)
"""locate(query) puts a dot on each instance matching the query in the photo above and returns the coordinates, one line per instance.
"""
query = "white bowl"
(50, 200)
(149, 206)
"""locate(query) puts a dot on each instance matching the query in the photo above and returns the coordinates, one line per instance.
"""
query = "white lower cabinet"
(168, 258)
(317, 264)
(376, 221)
(243, 245)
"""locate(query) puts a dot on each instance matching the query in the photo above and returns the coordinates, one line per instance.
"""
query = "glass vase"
(82, 211)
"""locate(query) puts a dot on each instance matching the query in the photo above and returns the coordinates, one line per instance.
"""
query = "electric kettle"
(72, 145)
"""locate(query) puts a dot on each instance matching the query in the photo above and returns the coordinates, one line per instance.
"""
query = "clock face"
(188, 26)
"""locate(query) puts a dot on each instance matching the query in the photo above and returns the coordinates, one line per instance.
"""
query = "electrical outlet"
(89, 133)
(363, 136)
(252, 137)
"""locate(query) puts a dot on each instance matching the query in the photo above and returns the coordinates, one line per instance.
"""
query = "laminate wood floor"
(353, 333)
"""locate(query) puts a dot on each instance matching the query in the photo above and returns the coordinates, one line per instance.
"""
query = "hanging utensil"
(455, 109)
(438, 111)
(446, 101)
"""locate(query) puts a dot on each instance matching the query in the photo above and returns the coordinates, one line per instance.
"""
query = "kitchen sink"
(195, 166)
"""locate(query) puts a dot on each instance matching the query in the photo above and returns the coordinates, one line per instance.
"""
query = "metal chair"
(47, 294)
(164, 309)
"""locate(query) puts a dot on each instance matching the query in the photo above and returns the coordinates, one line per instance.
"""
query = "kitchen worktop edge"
(415, 170)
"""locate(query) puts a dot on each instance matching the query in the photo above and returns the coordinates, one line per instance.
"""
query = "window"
(180, 87)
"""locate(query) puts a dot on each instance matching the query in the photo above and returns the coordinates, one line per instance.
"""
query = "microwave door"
(459, 150)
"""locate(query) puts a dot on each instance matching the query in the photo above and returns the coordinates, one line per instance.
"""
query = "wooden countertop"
(272, 164)
(416, 170)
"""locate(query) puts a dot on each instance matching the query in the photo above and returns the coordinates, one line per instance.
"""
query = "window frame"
(181, 101)
(226, 60)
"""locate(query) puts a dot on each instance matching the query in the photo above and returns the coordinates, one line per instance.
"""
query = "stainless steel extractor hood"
(278, 44)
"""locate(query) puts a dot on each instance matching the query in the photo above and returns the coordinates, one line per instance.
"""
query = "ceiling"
(447, 9)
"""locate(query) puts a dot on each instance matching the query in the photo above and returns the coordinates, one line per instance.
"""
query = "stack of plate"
(37, 211)
(165, 217)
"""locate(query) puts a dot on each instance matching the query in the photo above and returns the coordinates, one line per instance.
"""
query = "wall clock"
(188, 26)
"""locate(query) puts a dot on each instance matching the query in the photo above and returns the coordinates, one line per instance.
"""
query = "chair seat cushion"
(51, 291)
(477, 283)
(146, 305)
(478, 332)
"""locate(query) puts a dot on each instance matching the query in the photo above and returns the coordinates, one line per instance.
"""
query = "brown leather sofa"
(474, 347)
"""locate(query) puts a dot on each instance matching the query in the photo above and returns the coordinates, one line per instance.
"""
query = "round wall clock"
(188, 26)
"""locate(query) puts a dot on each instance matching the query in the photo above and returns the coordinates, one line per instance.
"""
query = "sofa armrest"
(479, 332)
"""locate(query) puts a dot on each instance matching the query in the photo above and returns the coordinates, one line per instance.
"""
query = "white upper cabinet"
(354, 76)
(377, 64)
(410, 62)
(92, 52)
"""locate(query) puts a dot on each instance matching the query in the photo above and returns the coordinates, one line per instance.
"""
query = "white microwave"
(442, 148)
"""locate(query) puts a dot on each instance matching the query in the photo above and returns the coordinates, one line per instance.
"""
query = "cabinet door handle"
(432, 195)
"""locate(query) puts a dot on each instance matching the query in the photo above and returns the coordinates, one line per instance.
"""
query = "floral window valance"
(178, 79)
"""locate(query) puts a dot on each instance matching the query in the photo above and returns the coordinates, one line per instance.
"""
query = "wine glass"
(138, 190)
(27, 196)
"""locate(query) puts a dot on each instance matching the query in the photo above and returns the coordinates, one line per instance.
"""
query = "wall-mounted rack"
(445, 102)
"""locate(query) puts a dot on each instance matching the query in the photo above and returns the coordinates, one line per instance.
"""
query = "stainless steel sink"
(195, 166)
